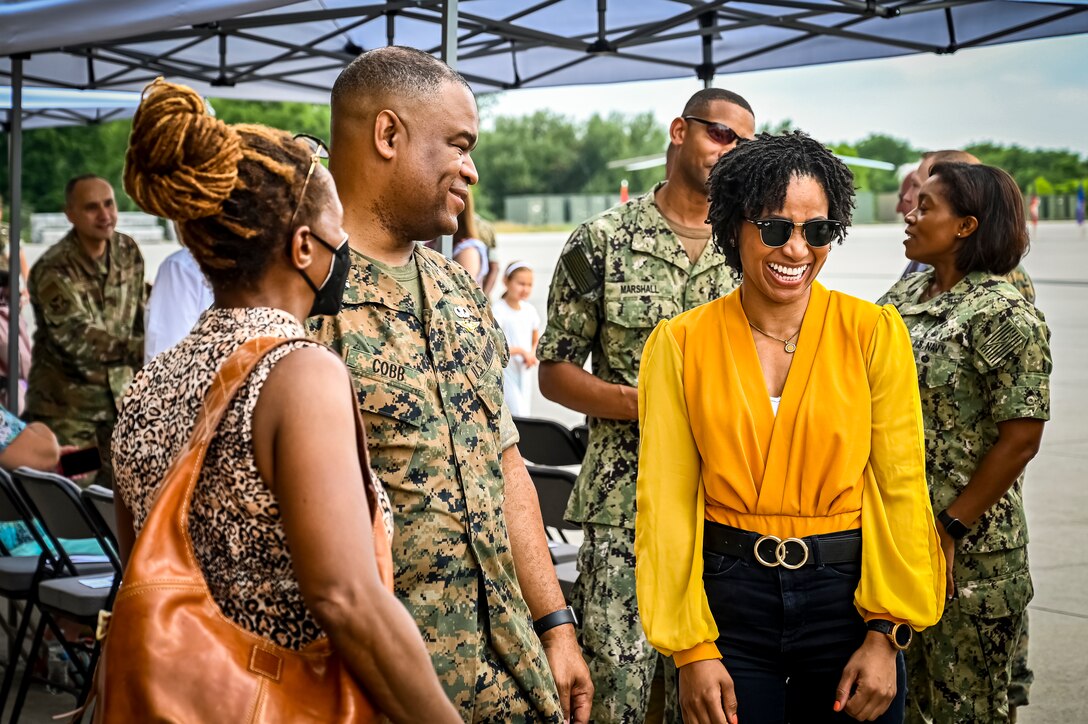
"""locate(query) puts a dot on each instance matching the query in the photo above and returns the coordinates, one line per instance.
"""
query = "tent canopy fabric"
(48, 107)
(294, 50)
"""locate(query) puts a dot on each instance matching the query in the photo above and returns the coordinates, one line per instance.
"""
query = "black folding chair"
(99, 504)
(553, 489)
(56, 502)
(17, 580)
(546, 442)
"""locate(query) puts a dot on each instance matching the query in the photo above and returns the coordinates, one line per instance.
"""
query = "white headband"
(515, 266)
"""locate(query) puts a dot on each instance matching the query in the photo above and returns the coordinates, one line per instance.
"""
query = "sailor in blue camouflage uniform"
(620, 274)
(984, 363)
(471, 560)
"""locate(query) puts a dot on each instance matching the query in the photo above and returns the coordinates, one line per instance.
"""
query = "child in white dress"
(520, 323)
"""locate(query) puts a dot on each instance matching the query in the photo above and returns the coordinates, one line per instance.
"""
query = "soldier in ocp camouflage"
(88, 338)
(983, 357)
(429, 386)
(646, 277)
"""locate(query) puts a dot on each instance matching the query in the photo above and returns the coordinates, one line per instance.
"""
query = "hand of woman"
(707, 694)
(867, 686)
(948, 545)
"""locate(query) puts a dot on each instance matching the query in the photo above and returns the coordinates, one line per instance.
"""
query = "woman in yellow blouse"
(784, 540)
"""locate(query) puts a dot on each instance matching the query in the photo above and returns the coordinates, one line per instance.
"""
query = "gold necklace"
(789, 346)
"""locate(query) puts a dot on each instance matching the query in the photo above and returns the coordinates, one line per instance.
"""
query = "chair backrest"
(553, 489)
(55, 501)
(13, 509)
(546, 442)
(99, 503)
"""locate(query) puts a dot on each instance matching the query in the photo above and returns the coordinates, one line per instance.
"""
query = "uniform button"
(925, 358)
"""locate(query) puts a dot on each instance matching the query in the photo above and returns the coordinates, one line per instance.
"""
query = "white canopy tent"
(294, 50)
(283, 50)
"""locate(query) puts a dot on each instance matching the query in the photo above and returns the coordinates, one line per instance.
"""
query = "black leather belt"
(790, 553)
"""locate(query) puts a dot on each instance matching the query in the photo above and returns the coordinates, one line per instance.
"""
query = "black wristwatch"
(899, 634)
(952, 526)
(556, 618)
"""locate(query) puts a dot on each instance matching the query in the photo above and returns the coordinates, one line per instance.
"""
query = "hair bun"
(182, 162)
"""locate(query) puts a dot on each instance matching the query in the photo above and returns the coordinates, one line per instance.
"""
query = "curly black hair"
(753, 178)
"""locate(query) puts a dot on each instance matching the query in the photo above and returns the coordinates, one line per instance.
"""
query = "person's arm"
(469, 258)
(572, 386)
(305, 446)
(492, 275)
(672, 601)
(539, 585)
(35, 447)
(573, 324)
(902, 566)
(73, 327)
(1016, 389)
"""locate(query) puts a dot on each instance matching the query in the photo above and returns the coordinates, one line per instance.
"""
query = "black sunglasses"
(718, 132)
(817, 233)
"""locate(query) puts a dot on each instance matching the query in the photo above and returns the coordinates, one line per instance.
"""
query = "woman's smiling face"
(784, 274)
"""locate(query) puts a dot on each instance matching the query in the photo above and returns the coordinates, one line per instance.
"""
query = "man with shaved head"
(471, 557)
(621, 273)
(1018, 277)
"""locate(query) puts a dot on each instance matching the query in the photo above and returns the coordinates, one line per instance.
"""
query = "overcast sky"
(1031, 93)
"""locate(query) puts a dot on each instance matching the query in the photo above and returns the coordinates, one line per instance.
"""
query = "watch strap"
(894, 631)
(555, 618)
(953, 526)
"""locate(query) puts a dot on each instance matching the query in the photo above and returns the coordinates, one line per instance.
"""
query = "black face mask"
(328, 297)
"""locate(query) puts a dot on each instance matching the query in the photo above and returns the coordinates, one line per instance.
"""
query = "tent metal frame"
(502, 38)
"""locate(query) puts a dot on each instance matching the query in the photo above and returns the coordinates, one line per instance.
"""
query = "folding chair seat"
(57, 504)
(553, 489)
(546, 442)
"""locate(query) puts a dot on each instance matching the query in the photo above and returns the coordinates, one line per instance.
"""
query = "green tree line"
(541, 153)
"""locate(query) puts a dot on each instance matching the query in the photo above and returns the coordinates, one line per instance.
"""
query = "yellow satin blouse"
(845, 451)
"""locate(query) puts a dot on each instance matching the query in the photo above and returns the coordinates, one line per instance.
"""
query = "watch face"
(902, 634)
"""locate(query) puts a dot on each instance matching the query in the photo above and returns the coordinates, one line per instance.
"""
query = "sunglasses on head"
(318, 151)
(817, 233)
(718, 132)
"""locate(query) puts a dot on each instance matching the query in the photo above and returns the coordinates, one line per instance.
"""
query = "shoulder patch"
(1002, 342)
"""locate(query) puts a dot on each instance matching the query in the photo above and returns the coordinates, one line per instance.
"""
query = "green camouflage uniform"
(983, 356)
(88, 339)
(647, 277)
(430, 392)
(1020, 279)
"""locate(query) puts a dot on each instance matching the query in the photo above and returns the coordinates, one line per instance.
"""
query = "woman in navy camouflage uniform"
(984, 365)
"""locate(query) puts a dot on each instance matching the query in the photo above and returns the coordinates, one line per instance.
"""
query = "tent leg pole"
(449, 55)
(14, 268)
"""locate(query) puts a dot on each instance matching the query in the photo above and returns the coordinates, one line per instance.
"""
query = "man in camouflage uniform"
(471, 558)
(88, 295)
(1018, 277)
(983, 359)
(619, 275)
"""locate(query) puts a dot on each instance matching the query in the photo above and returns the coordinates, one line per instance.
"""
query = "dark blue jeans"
(786, 636)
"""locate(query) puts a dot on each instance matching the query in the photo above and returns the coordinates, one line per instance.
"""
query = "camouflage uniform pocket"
(394, 415)
(937, 377)
(998, 597)
(629, 318)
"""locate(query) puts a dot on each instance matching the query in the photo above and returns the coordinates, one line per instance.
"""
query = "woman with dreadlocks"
(784, 540)
(285, 520)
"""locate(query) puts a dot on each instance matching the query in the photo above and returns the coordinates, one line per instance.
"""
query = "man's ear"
(388, 133)
(676, 131)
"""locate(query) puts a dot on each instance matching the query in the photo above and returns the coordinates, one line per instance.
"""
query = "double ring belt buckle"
(786, 552)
